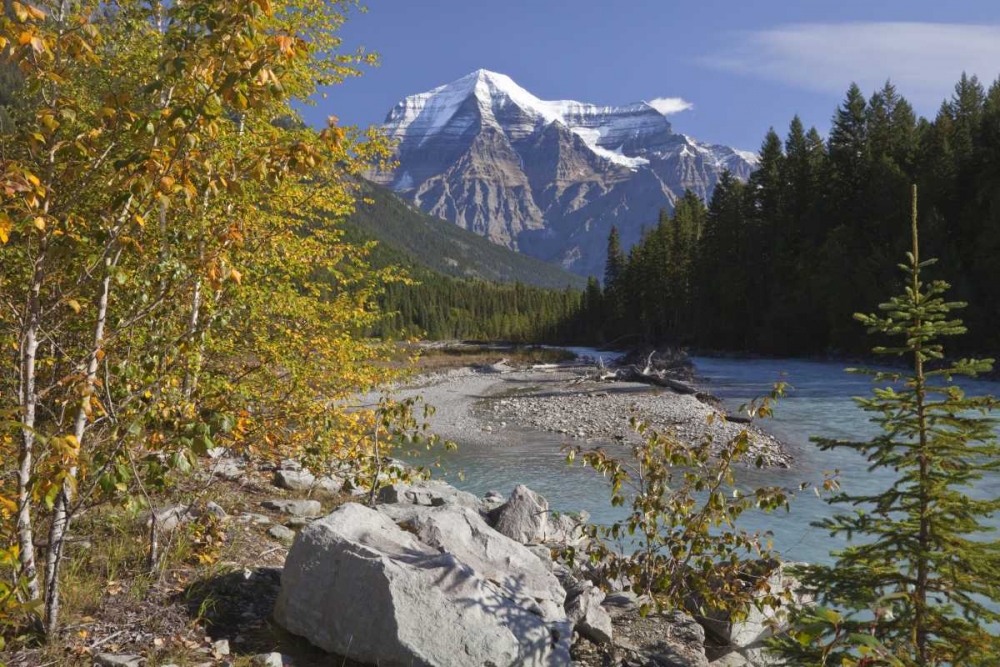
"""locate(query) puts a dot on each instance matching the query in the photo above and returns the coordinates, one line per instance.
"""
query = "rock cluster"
(368, 583)
(436, 576)
(605, 415)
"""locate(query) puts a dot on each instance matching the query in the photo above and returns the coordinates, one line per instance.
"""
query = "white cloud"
(924, 60)
(670, 105)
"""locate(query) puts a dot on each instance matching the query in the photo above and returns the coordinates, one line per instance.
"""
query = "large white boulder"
(358, 585)
(462, 532)
(524, 517)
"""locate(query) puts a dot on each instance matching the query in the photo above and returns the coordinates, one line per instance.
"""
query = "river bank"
(497, 405)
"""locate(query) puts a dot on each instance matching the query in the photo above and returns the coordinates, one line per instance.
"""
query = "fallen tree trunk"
(633, 374)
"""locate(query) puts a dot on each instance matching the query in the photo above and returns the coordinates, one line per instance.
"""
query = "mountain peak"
(446, 109)
(547, 177)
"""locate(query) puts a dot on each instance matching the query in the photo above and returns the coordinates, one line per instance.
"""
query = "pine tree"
(614, 289)
(614, 267)
(760, 244)
(915, 584)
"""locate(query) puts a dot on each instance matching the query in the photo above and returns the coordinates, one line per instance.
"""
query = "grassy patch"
(442, 358)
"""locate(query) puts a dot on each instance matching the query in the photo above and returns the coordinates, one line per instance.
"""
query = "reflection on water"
(819, 404)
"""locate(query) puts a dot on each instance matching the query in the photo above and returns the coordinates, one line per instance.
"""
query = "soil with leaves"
(218, 580)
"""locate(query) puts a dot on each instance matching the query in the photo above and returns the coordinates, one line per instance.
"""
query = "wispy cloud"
(923, 59)
(670, 105)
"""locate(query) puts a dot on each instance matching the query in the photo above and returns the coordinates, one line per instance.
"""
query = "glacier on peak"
(548, 178)
(606, 130)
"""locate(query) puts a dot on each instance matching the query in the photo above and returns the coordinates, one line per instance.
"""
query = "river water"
(819, 404)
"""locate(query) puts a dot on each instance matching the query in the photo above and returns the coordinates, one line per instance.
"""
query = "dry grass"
(215, 580)
(444, 358)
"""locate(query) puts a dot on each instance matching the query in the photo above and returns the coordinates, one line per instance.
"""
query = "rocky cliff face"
(546, 178)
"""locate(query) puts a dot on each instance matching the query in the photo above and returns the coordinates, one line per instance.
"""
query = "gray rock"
(273, 659)
(589, 618)
(683, 645)
(220, 647)
(228, 469)
(431, 492)
(112, 660)
(621, 602)
(524, 517)
(567, 530)
(759, 656)
(216, 510)
(294, 480)
(169, 518)
(544, 554)
(358, 585)
(303, 481)
(282, 534)
(759, 625)
(731, 660)
(255, 519)
(294, 507)
(462, 532)
(492, 500)
(329, 486)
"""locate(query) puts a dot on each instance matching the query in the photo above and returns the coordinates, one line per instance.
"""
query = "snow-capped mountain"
(546, 178)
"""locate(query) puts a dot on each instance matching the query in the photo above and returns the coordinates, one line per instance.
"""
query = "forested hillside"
(409, 237)
(459, 284)
(780, 265)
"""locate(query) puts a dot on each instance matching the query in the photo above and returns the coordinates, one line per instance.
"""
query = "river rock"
(492, 500)
(358, 585)
(621, 602)
(759, 625)
(589, 618)
(524, 517)
(254, 518)
(215, 510)
(429, 492)
(294, 507)
(294, 480)
(544, 554)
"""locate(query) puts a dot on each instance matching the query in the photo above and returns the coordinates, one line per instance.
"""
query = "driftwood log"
(660, 378)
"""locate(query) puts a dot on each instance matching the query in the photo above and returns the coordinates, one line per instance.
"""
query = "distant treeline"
(441, 308)
(780, 265)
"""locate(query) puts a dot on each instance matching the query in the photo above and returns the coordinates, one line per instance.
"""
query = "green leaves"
(916, 584)
(681, 541)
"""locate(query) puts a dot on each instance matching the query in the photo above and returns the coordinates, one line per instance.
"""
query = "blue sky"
(742, 66)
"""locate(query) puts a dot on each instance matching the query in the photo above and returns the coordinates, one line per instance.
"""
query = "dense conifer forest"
(440, 308)
(780, 264)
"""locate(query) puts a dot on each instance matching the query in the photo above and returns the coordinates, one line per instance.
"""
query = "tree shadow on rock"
(541, 642)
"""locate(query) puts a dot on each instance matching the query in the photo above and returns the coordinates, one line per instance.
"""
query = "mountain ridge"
(546, 178)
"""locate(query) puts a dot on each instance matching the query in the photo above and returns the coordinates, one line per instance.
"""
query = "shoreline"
(500, 404)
